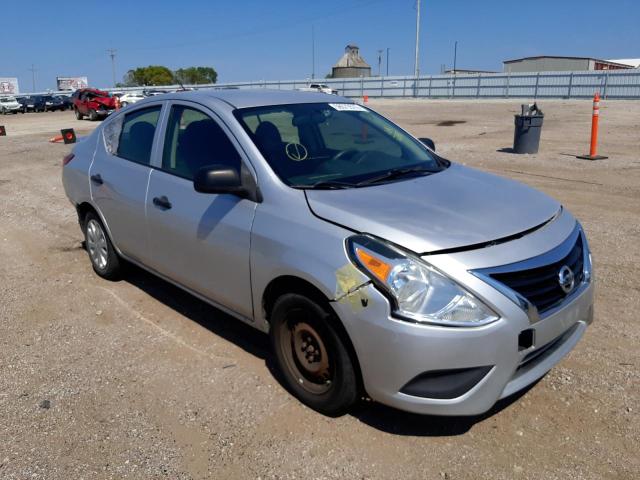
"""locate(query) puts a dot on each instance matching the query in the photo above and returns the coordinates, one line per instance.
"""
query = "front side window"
(136, 137)
(194, 140)
(335, 145)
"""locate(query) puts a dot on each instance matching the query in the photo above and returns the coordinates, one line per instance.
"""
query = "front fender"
(298, 244)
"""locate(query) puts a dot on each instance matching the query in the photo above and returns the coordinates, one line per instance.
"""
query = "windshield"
(335, 145)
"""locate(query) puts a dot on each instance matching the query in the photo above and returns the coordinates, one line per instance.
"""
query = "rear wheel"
(124, 104)
(104, 259)
(312, 356)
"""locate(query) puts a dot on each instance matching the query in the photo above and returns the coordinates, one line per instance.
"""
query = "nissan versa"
(377, 267)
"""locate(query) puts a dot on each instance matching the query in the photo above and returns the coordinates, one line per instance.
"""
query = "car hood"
(106, 101)
(455, 208)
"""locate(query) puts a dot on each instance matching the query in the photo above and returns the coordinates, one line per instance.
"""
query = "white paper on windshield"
(347, 107)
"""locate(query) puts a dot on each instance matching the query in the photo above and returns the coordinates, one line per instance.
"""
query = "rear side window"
(111, 134)
(194, 140)
(136, 137)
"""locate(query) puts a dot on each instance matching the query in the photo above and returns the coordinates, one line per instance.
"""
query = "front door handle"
(162, 202)
(97, 179)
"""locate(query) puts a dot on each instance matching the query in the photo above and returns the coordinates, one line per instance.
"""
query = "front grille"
(540, 285)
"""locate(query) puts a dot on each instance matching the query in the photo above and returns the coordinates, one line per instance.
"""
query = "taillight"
(67, 159)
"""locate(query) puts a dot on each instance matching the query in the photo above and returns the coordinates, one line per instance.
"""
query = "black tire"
(325, 379)
(109, 265)
(93, 115)
(79, 116)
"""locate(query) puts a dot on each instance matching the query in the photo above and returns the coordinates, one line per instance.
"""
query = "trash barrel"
(526, 138)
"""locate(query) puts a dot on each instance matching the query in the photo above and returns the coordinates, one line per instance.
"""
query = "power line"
(259, 31)
(455, 57)
(33, 70)
(387, 61)
(313, 51)
(416, 70)
(112, 54)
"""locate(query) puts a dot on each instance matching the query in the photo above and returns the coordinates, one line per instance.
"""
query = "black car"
(32, 103)
(67, 101)
(53, 103)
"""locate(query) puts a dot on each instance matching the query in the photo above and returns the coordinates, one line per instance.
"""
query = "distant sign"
(72, 83)
(9, 86)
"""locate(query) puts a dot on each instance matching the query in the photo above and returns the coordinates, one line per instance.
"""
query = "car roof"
(245, 98)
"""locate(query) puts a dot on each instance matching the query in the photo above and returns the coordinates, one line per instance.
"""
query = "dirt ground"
(136, 379)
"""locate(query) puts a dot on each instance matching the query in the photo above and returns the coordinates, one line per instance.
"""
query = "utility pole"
(112, 54)
(313, 51)
(33, 70)
(387, 61)
(455, 56)
(380, 62)
(416, 70)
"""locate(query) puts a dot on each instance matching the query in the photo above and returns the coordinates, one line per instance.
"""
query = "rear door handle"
(97, 179)
(162, 202)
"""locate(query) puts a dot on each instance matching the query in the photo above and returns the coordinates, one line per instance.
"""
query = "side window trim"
(244, 158)
(122, 117)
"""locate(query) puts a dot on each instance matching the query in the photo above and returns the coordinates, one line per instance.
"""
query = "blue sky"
(256, 40)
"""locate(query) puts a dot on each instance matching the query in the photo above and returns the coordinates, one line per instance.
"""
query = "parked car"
(152, 93)
(376, 266)
(10, 105)
(27, 104)
(92, 103)
(67, 101)
(319, 87)
(128, 98)
(53, 103)
(32, 103)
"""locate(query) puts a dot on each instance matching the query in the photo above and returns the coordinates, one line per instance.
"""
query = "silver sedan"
(377, 267)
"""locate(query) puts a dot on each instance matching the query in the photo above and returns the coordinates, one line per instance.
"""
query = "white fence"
(611, 84)
(623, 84)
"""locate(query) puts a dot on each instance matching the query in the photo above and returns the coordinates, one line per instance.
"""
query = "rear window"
(136, 137)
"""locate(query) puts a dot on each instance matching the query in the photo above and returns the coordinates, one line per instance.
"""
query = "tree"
(151, 75)
(196, 75)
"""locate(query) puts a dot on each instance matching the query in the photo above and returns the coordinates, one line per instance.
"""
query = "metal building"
(632, 62)
(351, 65)
(560, 64)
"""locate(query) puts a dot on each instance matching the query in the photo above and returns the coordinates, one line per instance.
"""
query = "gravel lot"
(136, 379)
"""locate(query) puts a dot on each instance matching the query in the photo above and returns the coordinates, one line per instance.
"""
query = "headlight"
(419, 292)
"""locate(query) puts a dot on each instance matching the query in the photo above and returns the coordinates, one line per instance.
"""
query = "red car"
(95, 104)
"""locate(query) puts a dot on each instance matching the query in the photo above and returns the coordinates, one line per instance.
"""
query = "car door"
(199, 240)
(119, 176)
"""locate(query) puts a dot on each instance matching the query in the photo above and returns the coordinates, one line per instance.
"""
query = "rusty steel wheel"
(306, 355)
(312, 354)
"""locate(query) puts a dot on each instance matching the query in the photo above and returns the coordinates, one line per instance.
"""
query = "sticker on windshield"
(348, 107)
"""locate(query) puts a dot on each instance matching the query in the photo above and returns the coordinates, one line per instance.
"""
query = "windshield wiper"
(329, 185)
(326, 185)
(396, 173)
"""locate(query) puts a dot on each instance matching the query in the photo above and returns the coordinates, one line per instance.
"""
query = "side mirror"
(428, 142)
(218, 179)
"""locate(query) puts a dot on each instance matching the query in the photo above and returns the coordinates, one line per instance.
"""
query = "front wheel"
(79, 116)
(93, 115)
(124, 104)
(104, 259)
(312, 355)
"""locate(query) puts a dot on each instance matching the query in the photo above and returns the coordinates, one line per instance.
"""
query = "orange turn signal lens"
(376, 266)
